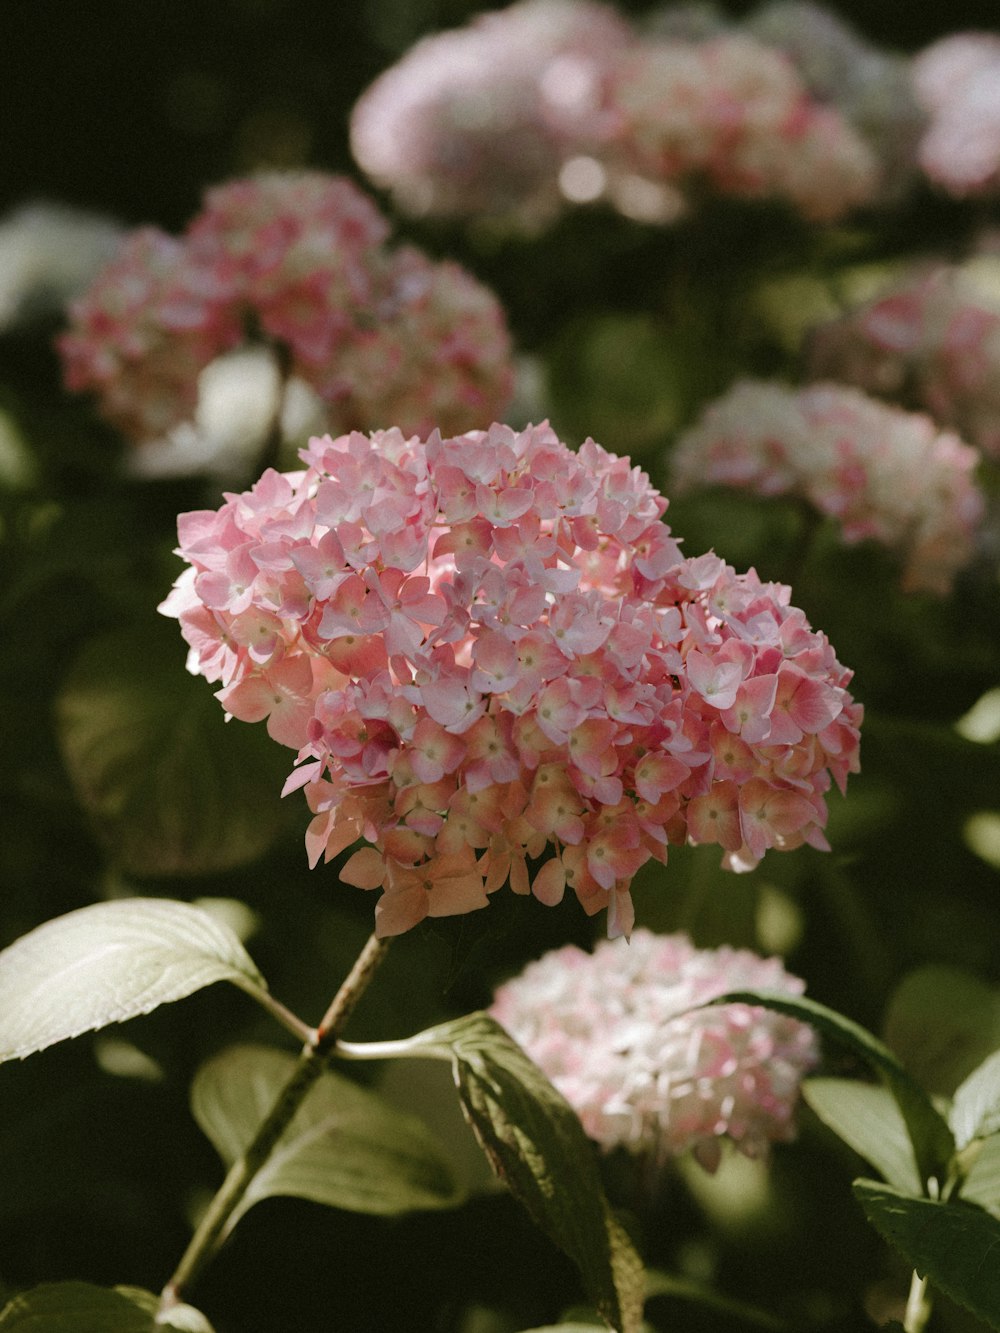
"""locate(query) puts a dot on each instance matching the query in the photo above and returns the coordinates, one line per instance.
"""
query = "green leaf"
(943, 1023)
(982, 1183)
(866, 1117)
(76, 1307)
(954, 1245)
(346, 1147)
(748, 1316)
(933, 1145)
(536, 1145)
(171, 787)
(975, 1111)
(110, 962)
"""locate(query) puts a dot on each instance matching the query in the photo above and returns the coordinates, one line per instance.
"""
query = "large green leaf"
(943, 1023)
(536, 1145)
(954, 1245)
(975, 1111)
(110, 962)
(982, 1183)
(171, 788)
(346, 1147)
(76, 1307)
(866, 1117)
(933, 1145)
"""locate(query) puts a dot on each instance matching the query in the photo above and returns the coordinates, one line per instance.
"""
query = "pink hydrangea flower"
(482, 119)
(957, 80)
(298, 260)
(930, 341)
(870, 87)
(883, 474)
(141, 334)
(548, 102)
(733, 114)
(612, 1031)
(488, 649)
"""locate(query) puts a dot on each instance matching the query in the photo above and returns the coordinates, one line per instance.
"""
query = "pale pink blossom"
(139, 336)
(931, 340)
(618, 1033)
(871, 88)
(551, 103)
(482, 119)
(732, 115)
(469, 708)
(297, 262)
(957, 79)
(882, 473)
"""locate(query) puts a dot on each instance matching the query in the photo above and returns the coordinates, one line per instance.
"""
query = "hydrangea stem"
(270, 454)
(918, 1306)
(212, 1228)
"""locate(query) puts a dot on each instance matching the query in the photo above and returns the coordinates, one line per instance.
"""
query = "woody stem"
(214, 1225)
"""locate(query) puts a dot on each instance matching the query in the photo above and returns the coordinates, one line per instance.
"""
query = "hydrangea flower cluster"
(298, 260)
(549, 102)
(930, 341)
(872, 88)
(612, 1031)
(883, 474)
(484, 118)
(488, 645)
(957, 80)
(734, 114)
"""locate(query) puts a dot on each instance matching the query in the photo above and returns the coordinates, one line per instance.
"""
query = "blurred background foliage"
(120, 776)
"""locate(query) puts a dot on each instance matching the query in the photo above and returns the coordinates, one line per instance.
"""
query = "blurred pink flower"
(463, 705)
(930, 341)
(881, 473)
(957, 80)
(141, 334)
(548, 103)
(482, 119)
(732, 114)
(870, 87)
(612, 1032)
(298, 260)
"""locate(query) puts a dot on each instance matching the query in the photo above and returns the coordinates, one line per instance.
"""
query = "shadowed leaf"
(172, 789)
(933, 1145)
(76, 1307)
(956, 1246)
(536, 1146)
(346, 1147)
(943, 1023)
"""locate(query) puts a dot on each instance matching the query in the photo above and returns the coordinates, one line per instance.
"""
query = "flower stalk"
(918, 1306)
(213, 1227)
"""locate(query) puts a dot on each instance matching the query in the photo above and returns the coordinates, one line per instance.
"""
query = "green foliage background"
(133, 109)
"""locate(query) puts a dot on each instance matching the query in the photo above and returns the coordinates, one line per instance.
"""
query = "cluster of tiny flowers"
(619, 1034)
(957, 81)
(300, 261)
(547, 103)
(735, 115)
(487, 646)
(882, 473)
(931, 341)
(482, 119)
(872, 88)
